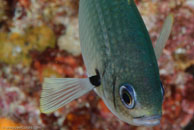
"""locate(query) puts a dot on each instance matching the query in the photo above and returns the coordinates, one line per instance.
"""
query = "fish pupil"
(126, 97)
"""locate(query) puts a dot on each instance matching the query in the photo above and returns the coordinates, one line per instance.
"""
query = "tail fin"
(57, 92)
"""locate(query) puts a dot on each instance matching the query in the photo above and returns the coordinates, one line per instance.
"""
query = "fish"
(120, 61)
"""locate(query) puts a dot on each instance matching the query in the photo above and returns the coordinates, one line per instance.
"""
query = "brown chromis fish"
(120, 60)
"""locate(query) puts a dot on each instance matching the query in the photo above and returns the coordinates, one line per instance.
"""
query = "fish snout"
(147, 120)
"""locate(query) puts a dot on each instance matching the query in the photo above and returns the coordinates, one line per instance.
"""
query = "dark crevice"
(190, 126)
(190, 70)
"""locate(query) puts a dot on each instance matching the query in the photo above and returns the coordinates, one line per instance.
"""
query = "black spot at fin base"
(95, 80)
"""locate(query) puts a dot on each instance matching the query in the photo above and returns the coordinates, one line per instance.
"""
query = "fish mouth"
(147, 120)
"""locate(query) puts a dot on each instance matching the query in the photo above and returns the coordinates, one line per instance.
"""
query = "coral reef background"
(39, 38)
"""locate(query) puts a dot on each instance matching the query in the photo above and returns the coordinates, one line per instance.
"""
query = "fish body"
(120, 61)
(115, 41)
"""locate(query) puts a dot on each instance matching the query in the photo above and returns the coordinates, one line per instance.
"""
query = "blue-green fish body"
(115, 41)
(120, 62)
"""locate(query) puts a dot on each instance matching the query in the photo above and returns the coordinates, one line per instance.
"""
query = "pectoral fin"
(57, 92)
(164, 34)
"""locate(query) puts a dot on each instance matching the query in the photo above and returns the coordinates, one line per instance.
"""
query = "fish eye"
(127, 96)
(162, 89)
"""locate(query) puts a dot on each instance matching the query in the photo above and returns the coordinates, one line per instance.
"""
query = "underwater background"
(40, 38)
